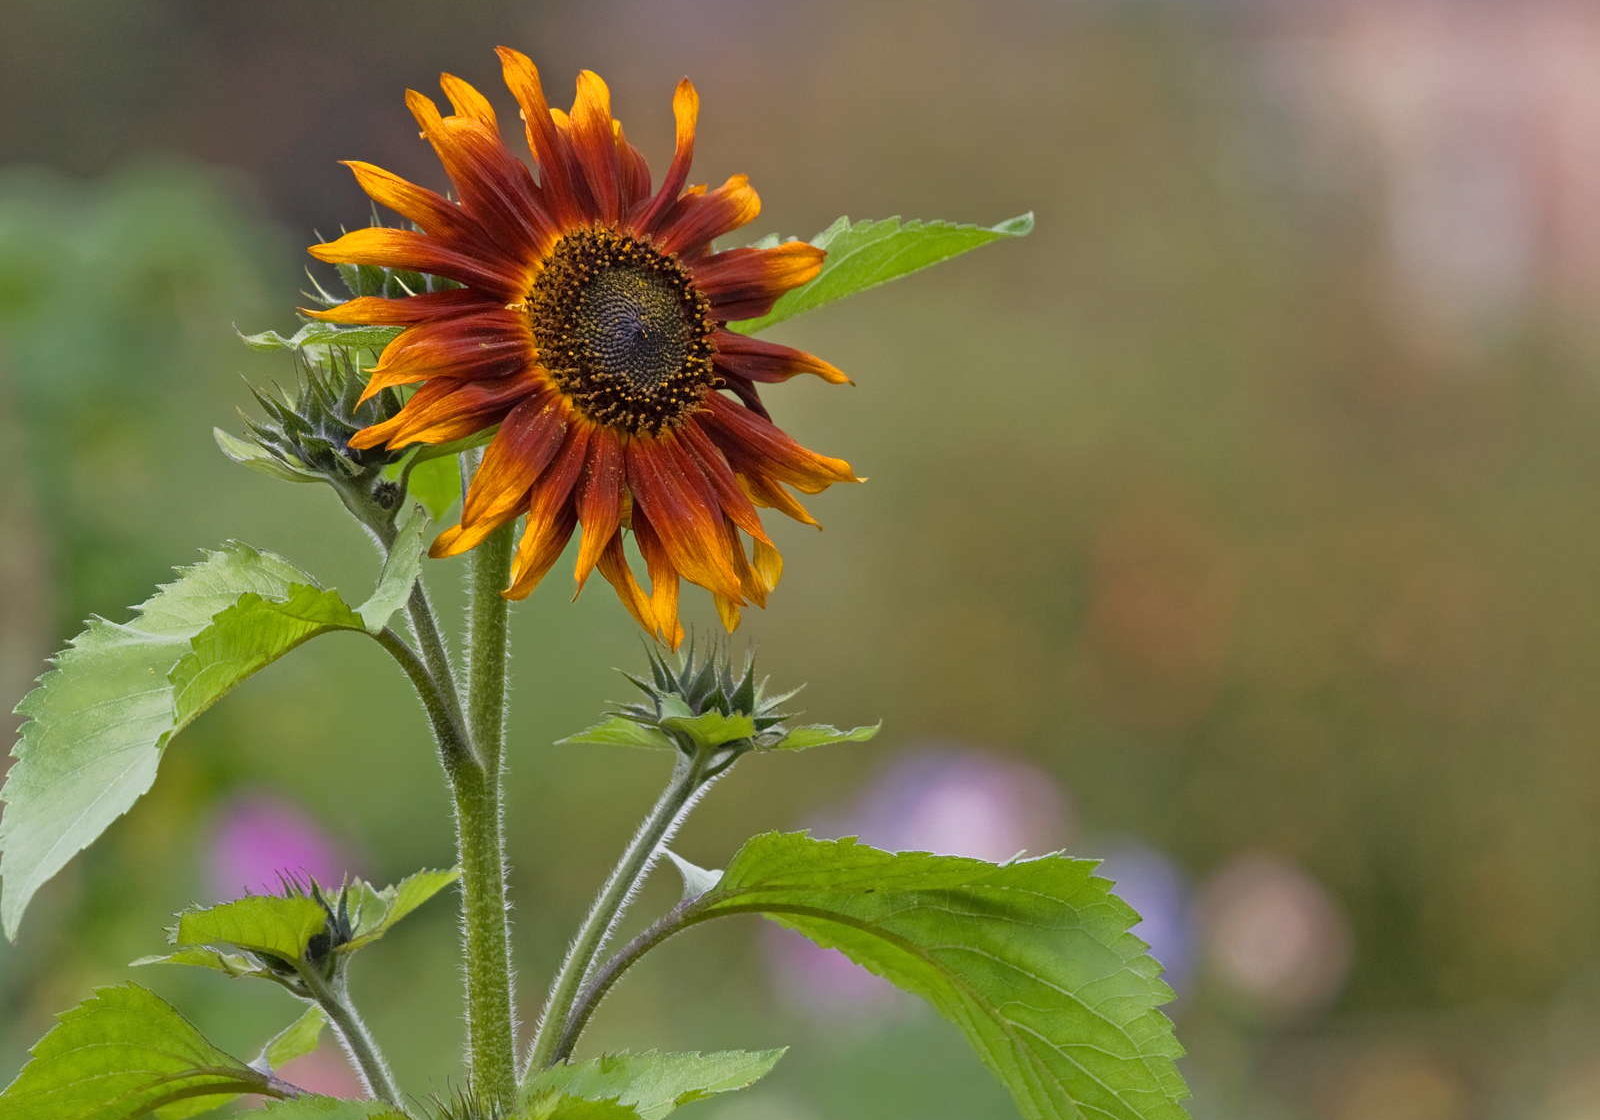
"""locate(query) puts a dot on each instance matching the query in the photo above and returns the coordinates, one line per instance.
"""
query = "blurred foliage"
(1171, 498)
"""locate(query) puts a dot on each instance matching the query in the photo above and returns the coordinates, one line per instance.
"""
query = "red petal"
(757, 360)
(744, 283)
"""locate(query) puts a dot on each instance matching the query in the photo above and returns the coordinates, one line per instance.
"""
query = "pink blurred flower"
(1274, 937)
(258, 838)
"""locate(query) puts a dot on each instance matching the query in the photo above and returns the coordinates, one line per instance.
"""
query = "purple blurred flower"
(946, 799)
(259, 838)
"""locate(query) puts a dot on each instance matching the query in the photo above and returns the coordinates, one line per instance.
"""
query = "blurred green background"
(1236, 526)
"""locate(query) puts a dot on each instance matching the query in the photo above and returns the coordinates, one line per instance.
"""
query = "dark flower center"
(622, 330)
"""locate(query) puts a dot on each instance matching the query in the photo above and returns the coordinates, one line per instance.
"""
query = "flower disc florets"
(622, 330)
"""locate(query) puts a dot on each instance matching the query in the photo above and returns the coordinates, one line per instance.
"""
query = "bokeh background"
(1237, 527)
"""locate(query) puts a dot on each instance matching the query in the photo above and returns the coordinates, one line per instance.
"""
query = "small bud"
(704, 701)
(305, 435)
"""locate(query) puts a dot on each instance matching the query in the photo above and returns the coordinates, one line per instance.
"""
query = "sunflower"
(591, 329)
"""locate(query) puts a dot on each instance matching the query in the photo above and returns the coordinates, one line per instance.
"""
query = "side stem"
(334, 998)
(688, 781)
(480, 832)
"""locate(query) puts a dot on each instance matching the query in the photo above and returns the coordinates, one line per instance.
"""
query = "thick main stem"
(480, 833)
(334, 999)
(688, 780)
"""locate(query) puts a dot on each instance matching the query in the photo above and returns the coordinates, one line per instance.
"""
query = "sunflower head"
(581, 312)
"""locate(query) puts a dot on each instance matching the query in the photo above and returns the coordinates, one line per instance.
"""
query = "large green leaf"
(559, 1106)
(123, 1054)
(98, 721)
(1031, 959)
(862, 255)
(263, 924)
(654, 1083)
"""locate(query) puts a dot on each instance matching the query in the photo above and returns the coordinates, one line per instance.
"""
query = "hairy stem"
(333, 996)
(688, 781)
(480, 832)
(601, 979)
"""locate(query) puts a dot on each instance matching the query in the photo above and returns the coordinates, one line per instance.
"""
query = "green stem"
(334, 998)
(601, 979)
(688, 781)
(480, 833)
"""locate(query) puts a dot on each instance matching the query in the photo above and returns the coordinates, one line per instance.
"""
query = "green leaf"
(435, 482)
(401, 569)
(265, 924)
(296, 1040)
(257, 458)
(323, 334)
(98, 721)
(557, 1106)
(712, 729)
(653, 1083)
(862, 255)
(821, 735)
(327, 1108)
(122, 1054)
(230, 964)
(376, 912)
(1031, 959)
(619, 731)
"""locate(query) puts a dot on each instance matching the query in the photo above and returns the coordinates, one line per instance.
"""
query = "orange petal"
(614, 567)
(599, 501)
(758, 360)
(700, 220)
(768, 565)
(663, 581)
(677, 499)
(744, 283)
(406, 311)
(635, 171)
(551, 515)
(404, 248)
(766, 492)
(494, 187)
(594, 142)
(557, 166)
(749, 440)
(488, 344)
(734, 502)
(467, 101)
(528, 439)
(447, 409)
(728, 611)
(685, 114)
(428, 209)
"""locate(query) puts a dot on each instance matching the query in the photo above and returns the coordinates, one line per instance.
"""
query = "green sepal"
(864, 254)
(257, 458)
(711, 729)
(123, 1054)
(620, 731)
(229, 964)
(323, 334)
(652, 1083)
(821, 735)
